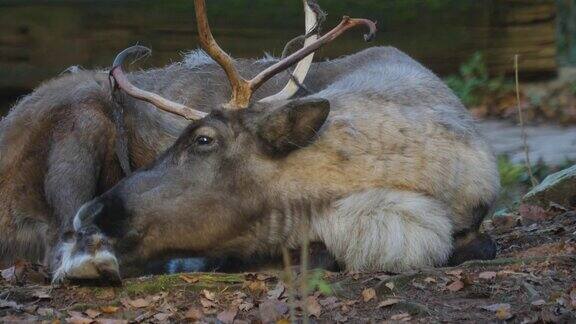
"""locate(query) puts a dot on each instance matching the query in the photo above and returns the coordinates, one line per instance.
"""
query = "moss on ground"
(156, 284)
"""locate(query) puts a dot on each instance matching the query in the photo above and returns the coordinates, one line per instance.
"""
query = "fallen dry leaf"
(10, 304)
(403, 317)
(143, 317)
(43, 311)
(533, 213)
(111, 321)
(504, 273)
(263, 276)
(75, 314)
(388, 302)
(209, 294)
(9, 274)
(109, 309)
(138, 303)
(455, 286)
(41, 294)
(207, 303)
(158, 297)
(79, 320)
(194, 313)
(257, 287)
(390, 285)
(227, 316)
(340, 318)
(92, 313)
(162, 317)
(429, 280)
(538, 303)
(456, 273)
(189, 278)
(245, 306)
(504, 314)
(496, 307)
(313, 306)
(105, 294)
(270, 311)
(505, 222)
(368, 294)
(277, 292)
(329, 302)
(487, 275)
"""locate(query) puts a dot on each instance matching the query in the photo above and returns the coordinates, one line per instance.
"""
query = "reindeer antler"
(123, 83)
(242, 89)
(314, 16)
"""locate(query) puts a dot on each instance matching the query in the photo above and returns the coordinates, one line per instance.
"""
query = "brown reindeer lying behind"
(379, 161)
(70, 141)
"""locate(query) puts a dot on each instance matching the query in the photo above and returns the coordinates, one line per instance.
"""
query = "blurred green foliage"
(473, 83)
(566, 31)
(513, 174)
(510, 174)
(515, 180)
(317, 282)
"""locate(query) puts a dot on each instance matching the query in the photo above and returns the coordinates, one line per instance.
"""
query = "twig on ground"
(290, 284)
(304, 271)
(523, 129)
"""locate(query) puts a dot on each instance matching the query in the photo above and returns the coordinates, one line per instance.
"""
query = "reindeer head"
(205, 194)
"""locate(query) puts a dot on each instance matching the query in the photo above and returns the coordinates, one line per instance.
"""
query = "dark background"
(40, 39)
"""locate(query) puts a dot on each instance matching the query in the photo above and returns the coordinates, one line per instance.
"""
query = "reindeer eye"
(203, 140)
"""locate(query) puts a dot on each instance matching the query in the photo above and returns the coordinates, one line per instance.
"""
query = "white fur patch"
(77, 223)
(387, 230)
(267, 58)
(196, 58)
(83, 266)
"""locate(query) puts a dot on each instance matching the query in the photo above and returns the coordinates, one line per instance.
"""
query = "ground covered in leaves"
(533, 280)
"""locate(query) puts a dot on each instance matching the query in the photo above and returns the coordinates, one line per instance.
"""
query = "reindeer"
(70, 140)
(378, 160)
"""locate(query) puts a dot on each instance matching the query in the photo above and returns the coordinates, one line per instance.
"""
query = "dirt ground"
(532, 281)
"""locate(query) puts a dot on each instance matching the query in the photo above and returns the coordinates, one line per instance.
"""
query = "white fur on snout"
(83, 265)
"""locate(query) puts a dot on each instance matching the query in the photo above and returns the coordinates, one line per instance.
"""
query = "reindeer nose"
(87, 214)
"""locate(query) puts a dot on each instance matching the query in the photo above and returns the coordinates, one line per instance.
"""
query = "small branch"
(290, 284)
(523, 129)
(304, 271)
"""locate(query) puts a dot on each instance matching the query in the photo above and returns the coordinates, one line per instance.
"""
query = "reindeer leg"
(79, 157)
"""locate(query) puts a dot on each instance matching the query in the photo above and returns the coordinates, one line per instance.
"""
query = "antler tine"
(312, 11)
(123, 83)
(241, 92)
(282, 65)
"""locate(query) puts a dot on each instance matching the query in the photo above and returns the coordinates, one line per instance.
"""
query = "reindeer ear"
(294, 125)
